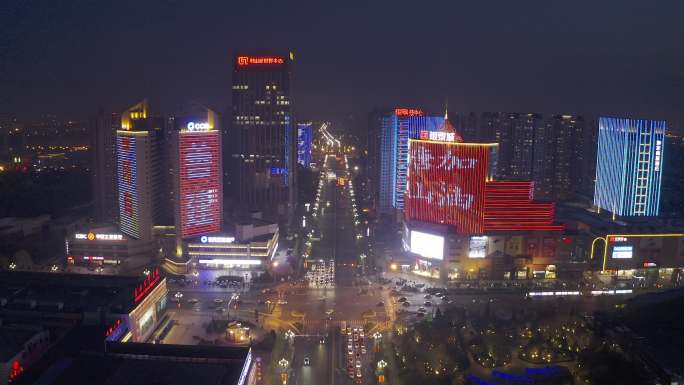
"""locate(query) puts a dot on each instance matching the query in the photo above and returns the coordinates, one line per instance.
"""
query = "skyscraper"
(559, 157)
(139, 172)
(263, 137)
(629, 163)
(396, 128)
(198, 183)
(103, 143)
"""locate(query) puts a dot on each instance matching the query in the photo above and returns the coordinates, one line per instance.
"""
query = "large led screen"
(427, 245)
(622, 252)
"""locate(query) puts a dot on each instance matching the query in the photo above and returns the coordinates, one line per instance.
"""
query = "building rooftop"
(12, 340)
(75, 292)
(116, 370)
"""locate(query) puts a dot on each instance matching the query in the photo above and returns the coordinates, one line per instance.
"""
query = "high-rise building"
(304, 142)
(559, 157)
(629, 166)
(103, 143)
(396, 128)
(262, 136)
(142, 196)
(197, 168)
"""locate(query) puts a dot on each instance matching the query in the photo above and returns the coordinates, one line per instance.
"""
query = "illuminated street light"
(146, 272)
(54, 268)
(283, 363)
(12, 265)
(377, 335)
(382, 364)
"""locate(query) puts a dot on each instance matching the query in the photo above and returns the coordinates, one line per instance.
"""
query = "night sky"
(619, 57)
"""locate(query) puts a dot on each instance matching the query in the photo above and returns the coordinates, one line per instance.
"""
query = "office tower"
(396, 128)
(263, 138)
(629, 166)
(372, 153)
(197, 174)
(304, 141)
(142, 196)
(103, 143)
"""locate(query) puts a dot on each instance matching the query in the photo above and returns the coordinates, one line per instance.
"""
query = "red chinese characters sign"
(446, 184)
(408, 112)
(259, 60)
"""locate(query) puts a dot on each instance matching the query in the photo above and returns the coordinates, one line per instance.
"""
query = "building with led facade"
(198, 184)
(262, 139)
(304, 142)
(446, 183)
(396, 128)
(629, 164)
(139, 160)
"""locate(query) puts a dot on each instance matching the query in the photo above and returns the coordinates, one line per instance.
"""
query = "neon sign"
(192, 126)
(251, 60)
(144, 288)
(206, 239)
(100, 237)
(408, 112)
(438, 136)
(278, 170)
(618, 239)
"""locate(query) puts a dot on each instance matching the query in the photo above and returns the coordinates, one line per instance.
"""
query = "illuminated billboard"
(446, 184)
(478, 247)
(622, 252)
(427, 245)
(629, 166)
(200, 181)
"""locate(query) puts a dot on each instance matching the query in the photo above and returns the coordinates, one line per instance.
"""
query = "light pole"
(178, 297)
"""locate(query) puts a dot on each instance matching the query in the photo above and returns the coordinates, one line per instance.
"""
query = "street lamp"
(12, 265)
(146, 272)
(178, 297)
(377, 335)
(283, 363)
(54, 268)
(382, 364)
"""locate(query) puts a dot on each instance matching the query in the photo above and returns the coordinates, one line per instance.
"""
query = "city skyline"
(565, 62)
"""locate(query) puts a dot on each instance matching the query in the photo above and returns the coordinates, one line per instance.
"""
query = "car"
(218, 301)
(406, 304)
(356, 346)
(322, 340)
(422, 310)
(350, 352)
(427, 296)
(193, 300)
(358, 363)
(358, 373)
(445, 299)
(402, 299)
(363, 350)
(220, 310)
(350, 346)
(307, 362)
(427, 303)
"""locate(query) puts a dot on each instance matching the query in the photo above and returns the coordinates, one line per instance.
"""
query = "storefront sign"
(195, 127)
(206, 239)
(100, 237)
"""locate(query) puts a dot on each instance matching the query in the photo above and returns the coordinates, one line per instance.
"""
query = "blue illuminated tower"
(629, 166)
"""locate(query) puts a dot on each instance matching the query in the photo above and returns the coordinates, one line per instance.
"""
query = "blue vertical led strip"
(629, 166)
(417, 124)
(127, 175)
(402, 161)
(386, 164)
(304, 138)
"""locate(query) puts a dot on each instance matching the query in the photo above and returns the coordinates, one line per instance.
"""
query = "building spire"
(446, 109)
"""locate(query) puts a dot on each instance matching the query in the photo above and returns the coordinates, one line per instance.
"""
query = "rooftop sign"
(257, 60)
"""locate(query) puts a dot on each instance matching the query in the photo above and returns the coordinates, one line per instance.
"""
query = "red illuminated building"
(446, 183)
(450, 183)
(509, 206)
